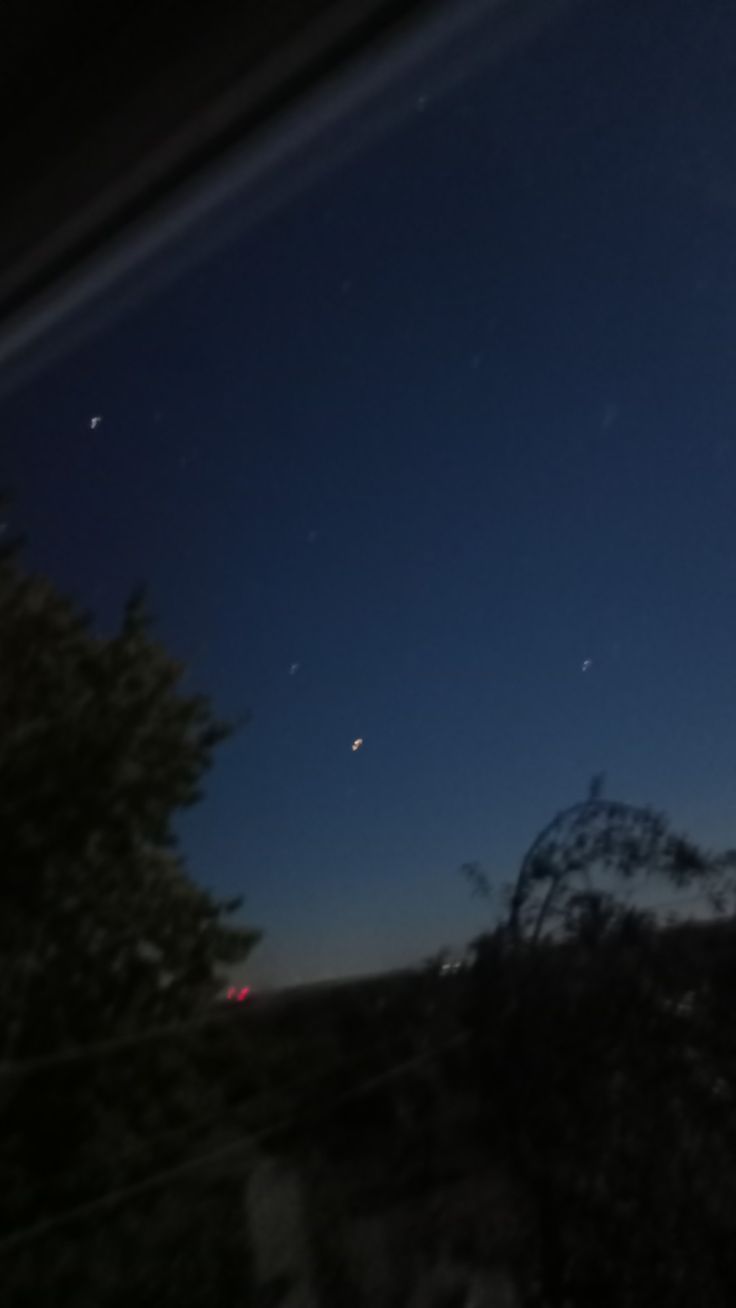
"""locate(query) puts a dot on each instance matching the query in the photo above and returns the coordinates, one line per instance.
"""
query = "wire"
(297, 1085)
(121, 1195)
(116, 1044)
(78, 1053)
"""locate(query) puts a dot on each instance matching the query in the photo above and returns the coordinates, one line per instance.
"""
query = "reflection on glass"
(442, 450)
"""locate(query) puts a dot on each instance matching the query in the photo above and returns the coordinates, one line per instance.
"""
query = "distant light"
(238, 996)
(95, 421)
(586, 665)
(294, 668)
(357, 744)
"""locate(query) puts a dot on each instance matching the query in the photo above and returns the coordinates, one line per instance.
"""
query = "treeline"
(607, 1086)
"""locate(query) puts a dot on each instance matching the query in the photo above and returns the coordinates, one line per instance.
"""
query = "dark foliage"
(607, 1078)
(103, 934)
(599, 846)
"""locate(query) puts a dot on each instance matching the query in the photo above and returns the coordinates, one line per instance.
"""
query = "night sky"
(442, 454)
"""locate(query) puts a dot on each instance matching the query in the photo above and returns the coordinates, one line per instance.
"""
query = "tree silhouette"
(606, 1064)
(593, 847)
(103, 933)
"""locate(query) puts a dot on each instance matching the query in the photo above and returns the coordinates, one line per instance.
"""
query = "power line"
(156, 1180)
(115, 1197)
(297, 1085)
(123, 1194)
(116, 1044)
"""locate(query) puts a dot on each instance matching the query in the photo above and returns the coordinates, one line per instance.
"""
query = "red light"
(231, 994)
(243, 994)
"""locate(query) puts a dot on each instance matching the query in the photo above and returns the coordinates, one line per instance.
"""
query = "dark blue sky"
(456, 420)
